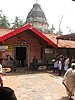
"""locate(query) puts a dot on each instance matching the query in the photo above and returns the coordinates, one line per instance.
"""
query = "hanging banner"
(48, 50)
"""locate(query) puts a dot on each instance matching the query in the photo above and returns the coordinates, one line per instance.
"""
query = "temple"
(33, 39)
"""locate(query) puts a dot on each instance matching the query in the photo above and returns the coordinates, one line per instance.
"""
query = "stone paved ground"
(36, 86)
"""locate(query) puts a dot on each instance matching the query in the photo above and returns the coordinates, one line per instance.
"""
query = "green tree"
(17, 23)
(4, 23)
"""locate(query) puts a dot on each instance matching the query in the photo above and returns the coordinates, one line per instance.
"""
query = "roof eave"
(21, 29)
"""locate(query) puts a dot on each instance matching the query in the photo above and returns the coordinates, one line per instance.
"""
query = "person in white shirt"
(56, 65)
(60, 65)
(69, 81)
(66, 64)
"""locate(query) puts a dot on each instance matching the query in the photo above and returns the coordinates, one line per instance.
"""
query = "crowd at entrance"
(59, 64)
(12, 63)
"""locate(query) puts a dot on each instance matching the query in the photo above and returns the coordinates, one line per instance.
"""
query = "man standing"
(66, 64)
(35, 62)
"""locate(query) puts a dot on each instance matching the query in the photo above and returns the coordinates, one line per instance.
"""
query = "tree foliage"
(4, 23)
(17, 23)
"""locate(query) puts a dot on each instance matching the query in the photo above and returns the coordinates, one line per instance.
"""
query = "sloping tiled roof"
(24, 28)
(4, 31)
(67, 37)
(61, 43)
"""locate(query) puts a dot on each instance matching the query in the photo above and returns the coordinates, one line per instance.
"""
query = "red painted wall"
(35, 47)
(32, 42)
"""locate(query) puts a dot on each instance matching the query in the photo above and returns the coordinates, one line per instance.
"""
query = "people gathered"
(62, 63)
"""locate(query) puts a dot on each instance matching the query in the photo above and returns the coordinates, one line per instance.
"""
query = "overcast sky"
(53, 9)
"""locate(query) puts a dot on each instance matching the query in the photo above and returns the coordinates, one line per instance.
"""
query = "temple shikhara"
(33, 39)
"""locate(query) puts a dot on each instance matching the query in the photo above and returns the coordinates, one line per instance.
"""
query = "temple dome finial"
(37, 18)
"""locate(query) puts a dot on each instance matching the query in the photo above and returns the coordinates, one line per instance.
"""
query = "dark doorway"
(21, 55)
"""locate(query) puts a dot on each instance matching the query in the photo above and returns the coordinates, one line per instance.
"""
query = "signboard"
(48, 50)
(10, 48)
(3, 48)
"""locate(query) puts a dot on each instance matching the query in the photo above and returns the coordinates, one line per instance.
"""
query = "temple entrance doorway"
(21, 56)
